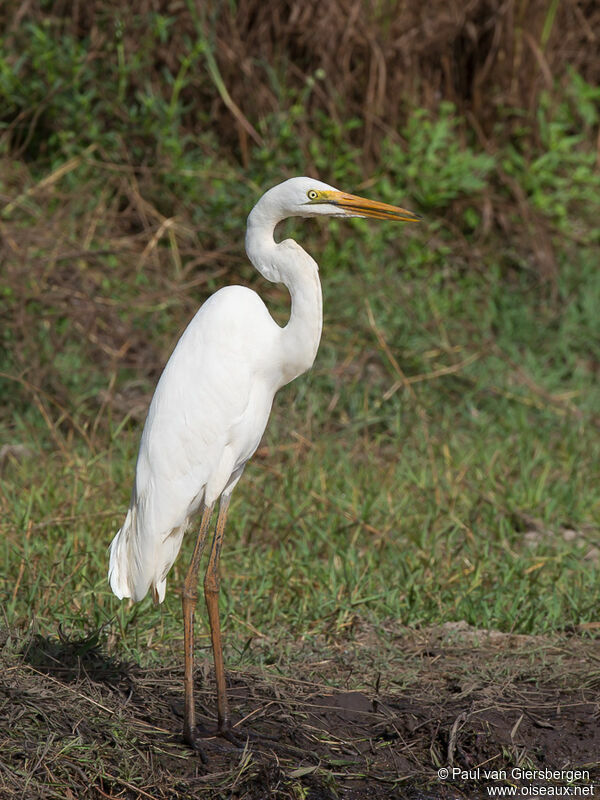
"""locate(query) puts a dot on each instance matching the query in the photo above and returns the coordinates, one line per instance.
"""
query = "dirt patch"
(374, 717)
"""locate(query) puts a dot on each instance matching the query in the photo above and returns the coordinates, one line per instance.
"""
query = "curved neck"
(286, 262)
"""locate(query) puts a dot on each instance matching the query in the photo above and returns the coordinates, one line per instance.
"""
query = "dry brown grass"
(77, 722)
(378, 59)
(65, 257)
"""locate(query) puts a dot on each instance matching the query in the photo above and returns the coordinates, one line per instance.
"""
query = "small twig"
(37, 395)
(73, 691)
(457, 725)
(422, 414)
(49, 180)
(128, 786)
(429, 376)
(163, 228)
(22, 564)
(552, 399)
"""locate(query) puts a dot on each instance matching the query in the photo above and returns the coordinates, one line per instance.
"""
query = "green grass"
(451, 497)
(439, 462)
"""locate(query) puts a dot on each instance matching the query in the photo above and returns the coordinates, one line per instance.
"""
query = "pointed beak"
(361, 207)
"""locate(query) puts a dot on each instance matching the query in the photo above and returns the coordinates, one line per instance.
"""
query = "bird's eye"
(312, 194)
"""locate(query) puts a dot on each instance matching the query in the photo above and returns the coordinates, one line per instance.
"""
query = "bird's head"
(306, 197)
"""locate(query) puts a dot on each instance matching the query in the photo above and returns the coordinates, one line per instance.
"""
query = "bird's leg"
(211, 594)
(189, 596)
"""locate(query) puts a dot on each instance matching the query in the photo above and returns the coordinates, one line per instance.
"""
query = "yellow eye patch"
(314, 195)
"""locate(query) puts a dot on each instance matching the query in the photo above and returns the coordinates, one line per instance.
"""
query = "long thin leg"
(188, 598)
(211, 594)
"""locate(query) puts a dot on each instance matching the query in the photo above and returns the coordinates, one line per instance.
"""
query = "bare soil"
(374, 716)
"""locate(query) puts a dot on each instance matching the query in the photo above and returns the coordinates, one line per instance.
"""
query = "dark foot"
(196, 738)
(194, 741)
(235, 737)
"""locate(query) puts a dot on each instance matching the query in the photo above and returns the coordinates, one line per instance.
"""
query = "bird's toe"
(194, 741)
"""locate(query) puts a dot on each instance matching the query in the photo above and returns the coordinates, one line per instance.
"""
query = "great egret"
(211, 407)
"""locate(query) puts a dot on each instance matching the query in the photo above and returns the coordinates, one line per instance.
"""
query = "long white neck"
(286, 262)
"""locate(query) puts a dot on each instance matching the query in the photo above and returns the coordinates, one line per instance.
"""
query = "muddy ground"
(374, 716)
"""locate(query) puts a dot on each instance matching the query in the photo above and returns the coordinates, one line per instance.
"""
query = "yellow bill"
(357, 206)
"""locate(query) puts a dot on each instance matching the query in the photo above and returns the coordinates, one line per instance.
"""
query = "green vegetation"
(441, 460)
(434, 475)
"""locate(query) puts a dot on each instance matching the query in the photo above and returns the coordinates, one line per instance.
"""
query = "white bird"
(211, 407)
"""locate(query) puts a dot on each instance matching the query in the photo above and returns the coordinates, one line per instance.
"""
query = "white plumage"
(212, 403)
(206, 419)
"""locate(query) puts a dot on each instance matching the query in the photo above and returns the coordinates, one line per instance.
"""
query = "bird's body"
(206, 419)
(212, 404)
